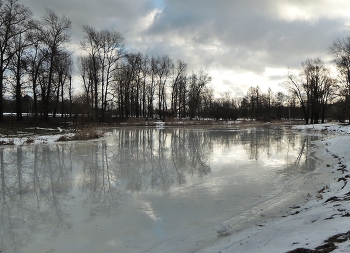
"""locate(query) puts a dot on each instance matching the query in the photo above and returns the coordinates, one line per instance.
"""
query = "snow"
(308, 226)
(39, 139)
(223, 229)
(325, 128)
(27, 139)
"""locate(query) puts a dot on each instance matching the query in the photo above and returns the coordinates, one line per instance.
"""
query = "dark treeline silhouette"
(36, 77)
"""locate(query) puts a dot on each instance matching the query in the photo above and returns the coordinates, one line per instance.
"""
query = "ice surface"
(160, 204)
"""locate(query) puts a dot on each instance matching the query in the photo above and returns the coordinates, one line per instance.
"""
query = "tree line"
(37, 77)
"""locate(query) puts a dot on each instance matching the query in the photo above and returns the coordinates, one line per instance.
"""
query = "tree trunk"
(1, 92)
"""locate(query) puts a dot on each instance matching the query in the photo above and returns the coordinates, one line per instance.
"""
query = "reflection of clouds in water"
(113, 243)
(229, 154)
(193, 164)
(147, 208)
(157, 225)
(159, 228)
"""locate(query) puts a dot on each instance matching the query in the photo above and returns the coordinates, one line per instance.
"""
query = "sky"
(239, 43)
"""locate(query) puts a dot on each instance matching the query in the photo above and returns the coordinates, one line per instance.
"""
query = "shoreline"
(12, 133)
(320, 224)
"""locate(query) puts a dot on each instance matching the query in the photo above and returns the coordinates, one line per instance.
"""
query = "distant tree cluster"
(36, 77)
(36, 73)
(34, 61)
(314, 89)
(135, 85)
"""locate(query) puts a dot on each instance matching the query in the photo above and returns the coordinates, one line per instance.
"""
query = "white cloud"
(238, 82)
(312, 10)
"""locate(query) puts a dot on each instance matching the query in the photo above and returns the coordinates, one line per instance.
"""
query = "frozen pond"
(150, 190)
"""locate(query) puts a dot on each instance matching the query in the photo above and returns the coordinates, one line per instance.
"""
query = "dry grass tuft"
(85, 134)
(29, 141)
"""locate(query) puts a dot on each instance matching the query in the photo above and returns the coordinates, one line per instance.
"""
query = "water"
(150, 190)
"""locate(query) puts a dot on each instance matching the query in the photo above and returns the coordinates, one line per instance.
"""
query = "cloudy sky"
(240, 43)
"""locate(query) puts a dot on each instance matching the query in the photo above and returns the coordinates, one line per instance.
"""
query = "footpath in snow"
(321, 224)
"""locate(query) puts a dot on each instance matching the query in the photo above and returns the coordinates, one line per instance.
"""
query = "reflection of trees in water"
(258, 141)
(265, 142)
(302, 162)
(34, 185)
(98, 180)
(269, 141)
(157, 159)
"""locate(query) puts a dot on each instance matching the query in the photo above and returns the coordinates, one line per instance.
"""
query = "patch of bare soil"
(328, 246)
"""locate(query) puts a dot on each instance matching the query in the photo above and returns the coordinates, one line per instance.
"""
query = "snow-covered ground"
(311, 224)
(44, 139)
(27, 138)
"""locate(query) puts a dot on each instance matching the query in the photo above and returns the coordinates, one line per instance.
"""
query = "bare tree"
(91, 45)
(63, 71)
(151, 87)
(54, 34)
(197, 87)
(313, 88)
(179, 77)
(127, 85)
(145, 73)
(164, 69)
(110, 54)
(105, 49)
(18, 67)
(253, 100)
(35, 58)
(14, 19)
(340, 49)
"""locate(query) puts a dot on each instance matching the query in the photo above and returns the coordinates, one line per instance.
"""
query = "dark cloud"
(240, 35)
(250, 32)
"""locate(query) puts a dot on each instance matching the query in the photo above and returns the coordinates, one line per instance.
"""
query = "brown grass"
(29, 141)
(82, 135)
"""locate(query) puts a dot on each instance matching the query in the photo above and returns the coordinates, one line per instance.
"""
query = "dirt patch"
(329, 245)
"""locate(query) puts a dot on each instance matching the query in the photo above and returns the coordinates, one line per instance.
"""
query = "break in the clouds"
(241, 43)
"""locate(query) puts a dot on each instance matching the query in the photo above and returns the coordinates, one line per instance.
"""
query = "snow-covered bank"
(18, 141)
(309, 225)
(325, 128)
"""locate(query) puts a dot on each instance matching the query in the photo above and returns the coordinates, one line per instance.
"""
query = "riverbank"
(321, 224)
